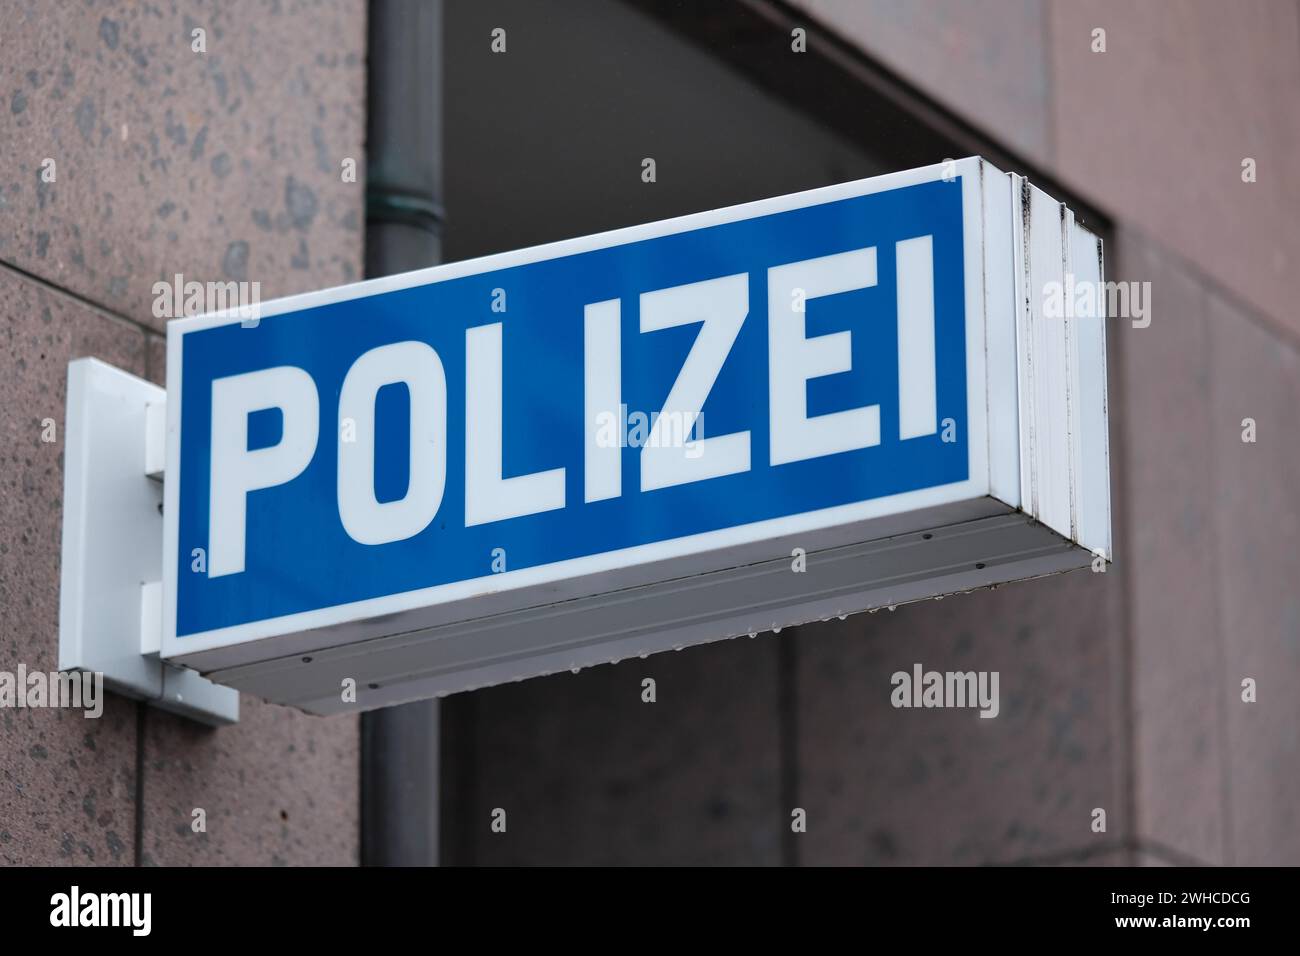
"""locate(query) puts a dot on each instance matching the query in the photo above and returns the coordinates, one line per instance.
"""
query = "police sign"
(712, 426)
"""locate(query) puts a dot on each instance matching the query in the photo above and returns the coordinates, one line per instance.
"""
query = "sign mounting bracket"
(110, 604)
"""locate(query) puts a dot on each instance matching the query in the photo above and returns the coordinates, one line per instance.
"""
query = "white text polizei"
(719, 306)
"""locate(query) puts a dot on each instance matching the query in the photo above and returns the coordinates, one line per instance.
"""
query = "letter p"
(235, 470)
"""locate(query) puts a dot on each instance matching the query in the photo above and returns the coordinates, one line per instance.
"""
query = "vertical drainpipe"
(399, 745)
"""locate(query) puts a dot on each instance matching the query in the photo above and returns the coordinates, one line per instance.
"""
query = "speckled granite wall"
(223, 164)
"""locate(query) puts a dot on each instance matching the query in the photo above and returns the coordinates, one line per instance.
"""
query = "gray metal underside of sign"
(740, 602)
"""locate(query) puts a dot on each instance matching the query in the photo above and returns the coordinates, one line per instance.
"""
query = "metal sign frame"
(1036, 499)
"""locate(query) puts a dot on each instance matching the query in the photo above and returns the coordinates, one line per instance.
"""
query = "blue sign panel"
(572, 405)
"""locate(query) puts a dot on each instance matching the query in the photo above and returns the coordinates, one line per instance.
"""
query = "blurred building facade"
(1119, 691)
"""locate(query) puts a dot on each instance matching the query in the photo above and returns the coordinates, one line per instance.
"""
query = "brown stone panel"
(67, 783)
(1257, 514)
(590, 774)
(278, 788)
(888, 786)
(156, 367)
(1118, 856)
(984, 59)
(1164, 378)
(1155, 130)
(1145, 858)
(222, 165)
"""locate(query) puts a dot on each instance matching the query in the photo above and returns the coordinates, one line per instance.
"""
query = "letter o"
(366, 519)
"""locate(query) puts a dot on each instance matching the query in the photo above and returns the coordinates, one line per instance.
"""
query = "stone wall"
(221, 164)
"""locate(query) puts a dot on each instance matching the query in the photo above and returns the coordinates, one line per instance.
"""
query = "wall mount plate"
(110, 603)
